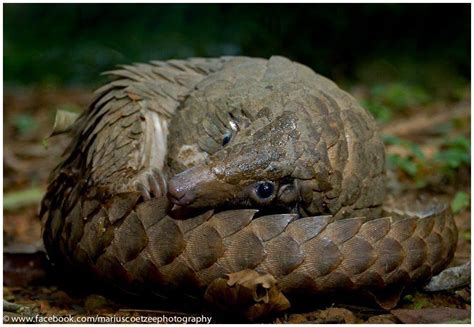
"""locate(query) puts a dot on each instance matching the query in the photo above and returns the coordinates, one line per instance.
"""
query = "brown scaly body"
(218, 129)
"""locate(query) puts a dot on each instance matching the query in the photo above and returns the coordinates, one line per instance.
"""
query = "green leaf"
(23, 198)
(409, 298)
(413, 147)
(24, 123)
(416, 150)
(461, 201)
(409, 167)
(453, 158)
(381, 113)
(460, 142)
(391, 139)
(399, 95)
(420, 304)
(466, 235)
(456, 154)
(405, 164)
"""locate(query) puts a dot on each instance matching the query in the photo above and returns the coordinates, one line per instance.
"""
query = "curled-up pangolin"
(184, 172)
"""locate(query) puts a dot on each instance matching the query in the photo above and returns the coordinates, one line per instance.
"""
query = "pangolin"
(184, 173)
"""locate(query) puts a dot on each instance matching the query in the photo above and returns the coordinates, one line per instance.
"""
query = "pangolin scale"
(203, 135)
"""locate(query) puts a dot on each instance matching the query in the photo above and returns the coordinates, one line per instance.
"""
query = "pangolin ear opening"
(288, 193)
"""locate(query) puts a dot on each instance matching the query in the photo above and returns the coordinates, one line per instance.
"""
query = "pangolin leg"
(249, 293)
(388, 297)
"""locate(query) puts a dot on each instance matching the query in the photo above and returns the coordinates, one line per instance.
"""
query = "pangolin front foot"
(249, 293)
(151, 184)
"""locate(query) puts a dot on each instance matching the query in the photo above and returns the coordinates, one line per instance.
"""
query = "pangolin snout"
(183, 187)
(179, 193)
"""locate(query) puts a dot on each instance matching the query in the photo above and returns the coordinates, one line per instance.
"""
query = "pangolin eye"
(264, 190)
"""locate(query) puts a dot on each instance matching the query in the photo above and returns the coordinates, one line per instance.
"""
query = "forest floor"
(426, 151)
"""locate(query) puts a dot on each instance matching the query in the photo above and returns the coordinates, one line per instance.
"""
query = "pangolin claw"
(249, 293)
(151, 184)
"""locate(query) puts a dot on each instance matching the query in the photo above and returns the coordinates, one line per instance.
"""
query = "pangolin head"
(258, 168)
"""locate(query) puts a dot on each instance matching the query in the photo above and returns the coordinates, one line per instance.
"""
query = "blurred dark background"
(70, 44)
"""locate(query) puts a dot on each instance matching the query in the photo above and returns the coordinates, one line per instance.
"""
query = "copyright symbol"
(6, 318)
